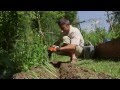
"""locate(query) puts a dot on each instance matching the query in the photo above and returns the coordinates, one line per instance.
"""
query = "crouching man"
(71, 39)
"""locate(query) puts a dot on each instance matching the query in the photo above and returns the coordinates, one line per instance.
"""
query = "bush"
(95, 37)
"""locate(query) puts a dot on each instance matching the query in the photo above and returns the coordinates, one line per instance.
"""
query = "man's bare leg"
(73, 58)
(72, 55)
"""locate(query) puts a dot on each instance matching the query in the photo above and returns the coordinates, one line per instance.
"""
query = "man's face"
(65, 28)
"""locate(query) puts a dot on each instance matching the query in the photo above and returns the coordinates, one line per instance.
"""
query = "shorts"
(78, 49)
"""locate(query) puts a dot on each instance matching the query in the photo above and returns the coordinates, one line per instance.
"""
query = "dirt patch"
(71, 71)
(64, 70)
(57, 64)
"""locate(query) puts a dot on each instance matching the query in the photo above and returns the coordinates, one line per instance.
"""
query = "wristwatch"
(58, 48)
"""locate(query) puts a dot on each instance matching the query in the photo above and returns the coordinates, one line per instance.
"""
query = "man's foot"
(73, 61)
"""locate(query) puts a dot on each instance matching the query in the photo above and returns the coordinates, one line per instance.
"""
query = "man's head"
(64, 25)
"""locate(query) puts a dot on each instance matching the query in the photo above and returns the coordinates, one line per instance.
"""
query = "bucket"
(88, 51)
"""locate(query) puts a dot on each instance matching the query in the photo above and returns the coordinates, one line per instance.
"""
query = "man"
(72, 40)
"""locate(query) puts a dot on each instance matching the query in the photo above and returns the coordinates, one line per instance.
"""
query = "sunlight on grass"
(109, 67)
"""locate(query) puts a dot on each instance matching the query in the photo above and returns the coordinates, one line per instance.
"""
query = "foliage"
(116, 16)
(116, 24)
(25, 37)
(116, 31)
(71, 15)
(95, 37)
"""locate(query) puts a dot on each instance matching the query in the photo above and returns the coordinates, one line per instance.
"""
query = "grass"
(106, 66)
(109, 67)
(60, 58)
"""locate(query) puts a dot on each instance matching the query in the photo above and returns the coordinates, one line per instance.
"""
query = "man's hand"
(53, 48)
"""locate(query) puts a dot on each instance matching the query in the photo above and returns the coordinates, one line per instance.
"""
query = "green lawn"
(109, 67)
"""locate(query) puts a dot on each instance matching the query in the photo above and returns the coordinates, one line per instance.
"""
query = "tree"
(116, 17)
(71, 15)
(8, 29)
(116, 24)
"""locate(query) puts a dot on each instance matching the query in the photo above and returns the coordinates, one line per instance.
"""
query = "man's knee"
(79, 50)
(66, 40)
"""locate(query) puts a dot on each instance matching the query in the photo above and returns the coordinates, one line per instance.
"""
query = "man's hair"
(63, 21)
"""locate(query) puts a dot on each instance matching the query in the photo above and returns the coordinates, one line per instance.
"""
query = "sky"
(92, 17)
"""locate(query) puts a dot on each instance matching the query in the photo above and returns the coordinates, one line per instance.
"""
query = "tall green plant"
(95, 37)
(25, 37)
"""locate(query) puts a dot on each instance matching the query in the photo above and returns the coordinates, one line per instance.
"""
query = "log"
(110, 49)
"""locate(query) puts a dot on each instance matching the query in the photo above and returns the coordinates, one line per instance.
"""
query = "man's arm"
(75, 40)
(70, 47)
